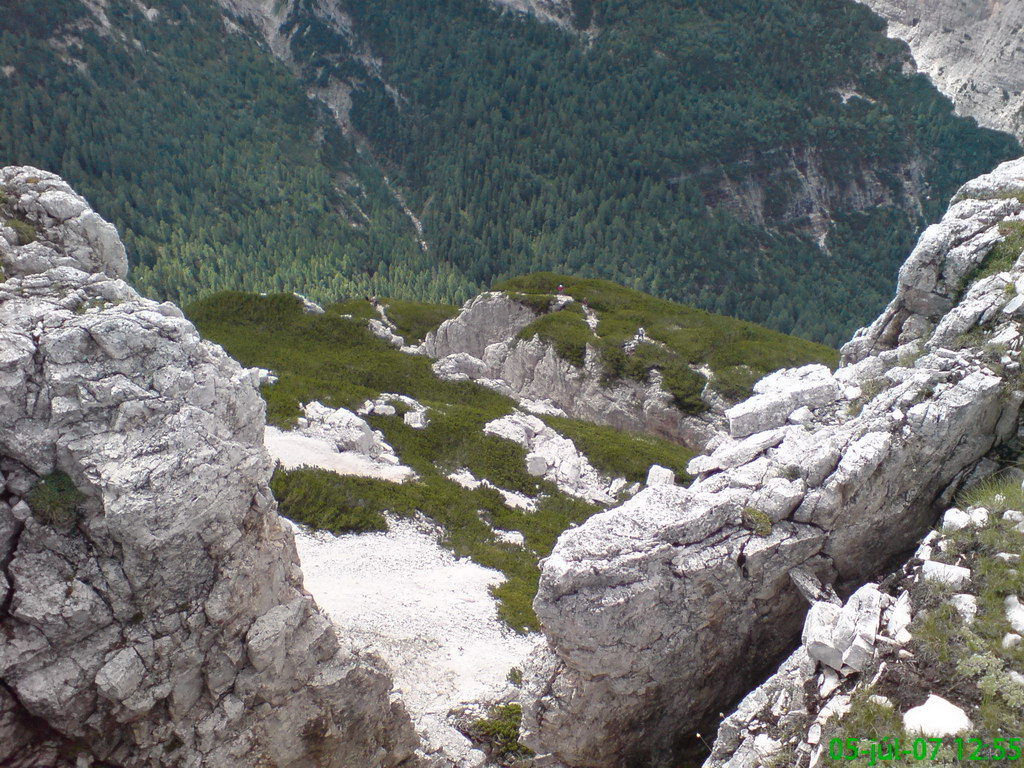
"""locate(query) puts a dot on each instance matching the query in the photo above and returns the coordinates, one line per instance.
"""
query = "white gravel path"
(294, 450)
(429, 614)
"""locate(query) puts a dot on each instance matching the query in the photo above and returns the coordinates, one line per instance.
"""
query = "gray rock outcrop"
(972, 51)
(153, 615)
(559, 12)
(791, 717)
(651, 610)
(556, 458)
(480, 344)
(345, 431)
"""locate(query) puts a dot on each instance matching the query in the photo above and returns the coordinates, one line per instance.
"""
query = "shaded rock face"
(749, 189)
(971, 49)
(663, 610)
(164, 621)
(480, 344)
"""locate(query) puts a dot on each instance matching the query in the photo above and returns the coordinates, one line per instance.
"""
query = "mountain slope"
(971, 51)
(332, 358)
(214, 164)
(671, 147)
(676, 151)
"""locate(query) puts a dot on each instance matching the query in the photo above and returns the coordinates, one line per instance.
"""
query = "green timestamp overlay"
(889, 749)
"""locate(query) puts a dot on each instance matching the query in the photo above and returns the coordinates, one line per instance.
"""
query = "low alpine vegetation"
(676, 339)
(336, 360)
(55, 500)
(499, 733)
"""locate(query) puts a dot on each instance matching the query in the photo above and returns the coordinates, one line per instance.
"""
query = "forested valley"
(770, 160)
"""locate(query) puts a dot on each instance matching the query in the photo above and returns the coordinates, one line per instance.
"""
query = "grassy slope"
(414, 319)
(339, 362)
(737, 352)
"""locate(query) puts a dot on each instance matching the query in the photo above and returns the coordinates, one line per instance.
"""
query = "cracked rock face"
(970, 50)
(480, 344)
(164, 621)
(661, 611)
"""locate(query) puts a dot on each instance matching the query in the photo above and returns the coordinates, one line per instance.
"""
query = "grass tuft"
(25, 231)
(55, 500)
(1003, 255)
(996, 493)
(756, 521)
(500, 733)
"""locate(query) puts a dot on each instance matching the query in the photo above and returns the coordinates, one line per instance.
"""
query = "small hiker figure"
(373, 300)
(561, 289)
(586, 304)
(641, 335)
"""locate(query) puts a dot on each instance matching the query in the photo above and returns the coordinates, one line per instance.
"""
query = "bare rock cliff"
(972, 50)
(151, 603)
(663, 610)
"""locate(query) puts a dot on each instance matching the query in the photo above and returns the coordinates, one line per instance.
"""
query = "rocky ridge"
(480, 344)
(650, 610)
(558, 12)
(972, 52)
(861, 655)
(153, 611)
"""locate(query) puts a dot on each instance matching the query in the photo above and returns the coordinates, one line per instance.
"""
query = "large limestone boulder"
(659, 612)
(484, 320)
(555, 457)
(162, 619)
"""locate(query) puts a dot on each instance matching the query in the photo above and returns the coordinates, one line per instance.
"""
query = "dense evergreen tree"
(203, 150)
(522, 147)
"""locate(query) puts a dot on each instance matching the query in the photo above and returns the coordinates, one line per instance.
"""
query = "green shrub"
(737, 353)
(328, 501)
(538, 302)
(566, 331)
(415, 319)
(757, 521)
(55, 500)
(1003, 255)
(359, 309)
(623, 454)
(26, 232)
(325, 357)
(867, 721)
(686, 387)
(515, 676)
(500, 732)
(455, 439)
